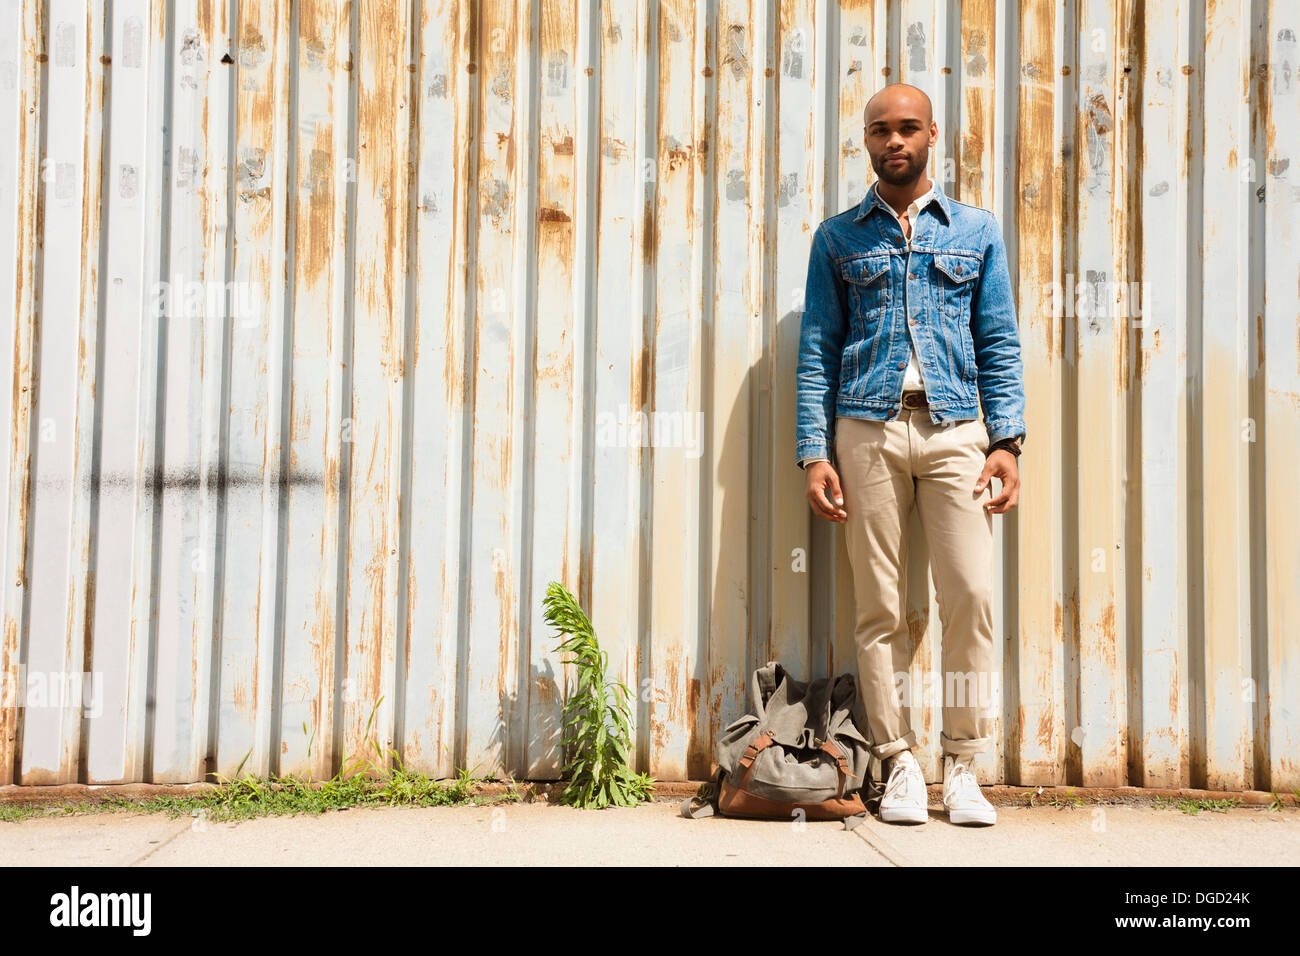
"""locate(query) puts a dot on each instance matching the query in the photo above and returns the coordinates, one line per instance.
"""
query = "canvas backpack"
(802, 750)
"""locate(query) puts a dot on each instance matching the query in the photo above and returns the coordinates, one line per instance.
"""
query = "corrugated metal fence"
(338, 330)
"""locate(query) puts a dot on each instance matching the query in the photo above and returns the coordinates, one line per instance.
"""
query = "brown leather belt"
(915, 398)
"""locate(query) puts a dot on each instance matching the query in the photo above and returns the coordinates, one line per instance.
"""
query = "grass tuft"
(1196, 805)
(360, 782)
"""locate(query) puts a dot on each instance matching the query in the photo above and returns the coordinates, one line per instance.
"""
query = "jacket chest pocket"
(954, 277)
(867, 279)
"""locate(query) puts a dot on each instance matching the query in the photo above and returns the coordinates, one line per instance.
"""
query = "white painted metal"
(484, 244)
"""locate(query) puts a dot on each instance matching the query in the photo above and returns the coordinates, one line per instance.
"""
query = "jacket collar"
(872, 199)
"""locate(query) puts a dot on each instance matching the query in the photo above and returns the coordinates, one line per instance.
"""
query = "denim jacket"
(865, 280)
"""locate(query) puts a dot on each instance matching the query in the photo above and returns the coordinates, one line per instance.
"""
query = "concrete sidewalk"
(654, 834)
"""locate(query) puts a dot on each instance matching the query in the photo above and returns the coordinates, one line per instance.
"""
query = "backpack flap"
(793, 757)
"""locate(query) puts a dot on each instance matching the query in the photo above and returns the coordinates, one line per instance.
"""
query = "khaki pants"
(885, 468)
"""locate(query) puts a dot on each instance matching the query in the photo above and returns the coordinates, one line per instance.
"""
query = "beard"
(909, 172)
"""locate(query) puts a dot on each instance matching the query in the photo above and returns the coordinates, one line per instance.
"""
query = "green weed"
(595, 717)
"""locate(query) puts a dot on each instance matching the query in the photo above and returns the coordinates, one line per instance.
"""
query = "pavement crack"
(185, 826)
(878, 843)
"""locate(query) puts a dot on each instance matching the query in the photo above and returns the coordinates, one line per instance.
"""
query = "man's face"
(898, 140)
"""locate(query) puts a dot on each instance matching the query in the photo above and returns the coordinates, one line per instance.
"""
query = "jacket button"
(902, 365)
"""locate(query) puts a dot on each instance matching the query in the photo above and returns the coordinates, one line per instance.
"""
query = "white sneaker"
(904, 798)
(961, 793)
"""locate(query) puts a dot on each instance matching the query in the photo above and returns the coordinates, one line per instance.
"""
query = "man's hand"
(823, 492)
(1001, 465)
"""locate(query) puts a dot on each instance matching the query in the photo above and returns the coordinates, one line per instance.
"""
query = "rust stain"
(1099, 116)
(299, 416)
(640, 379)
(918, 620)
(546, 690)
(698, 746)
(972, 145)
(1043, 735)
(317, 257)
(548, 214)
(381, 97)
(505, 621)
(557, 366)
(1259, 339)
(648, 238)
(677, 155)
(9, 715)
(331, 474)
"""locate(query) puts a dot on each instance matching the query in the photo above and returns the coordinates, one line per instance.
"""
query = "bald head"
(898, 101)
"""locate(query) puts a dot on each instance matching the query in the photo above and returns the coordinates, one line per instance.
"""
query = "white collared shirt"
(912, 377)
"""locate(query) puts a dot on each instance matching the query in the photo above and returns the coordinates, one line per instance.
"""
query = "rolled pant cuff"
(888, 749)
(965, 747)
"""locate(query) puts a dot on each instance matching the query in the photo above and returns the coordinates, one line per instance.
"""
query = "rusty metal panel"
(444, 119)
(335, 332)
(1160, 682)
(1277, 369)
(553, 509)
(1038, 646)
(1222, 528)
(122, 539)
(18, 176)
(678, 155)
(488, 654)
(983, 178)
(732, 347)
(1097, 262)
(318, 367)
(611, 583)
(798, 182)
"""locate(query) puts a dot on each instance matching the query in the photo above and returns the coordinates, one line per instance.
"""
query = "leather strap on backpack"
(756, 746)
(841, 764)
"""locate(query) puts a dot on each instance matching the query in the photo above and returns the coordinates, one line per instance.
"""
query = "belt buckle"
(914, 399)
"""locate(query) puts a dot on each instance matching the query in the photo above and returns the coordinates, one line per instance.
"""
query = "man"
(908, 330)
